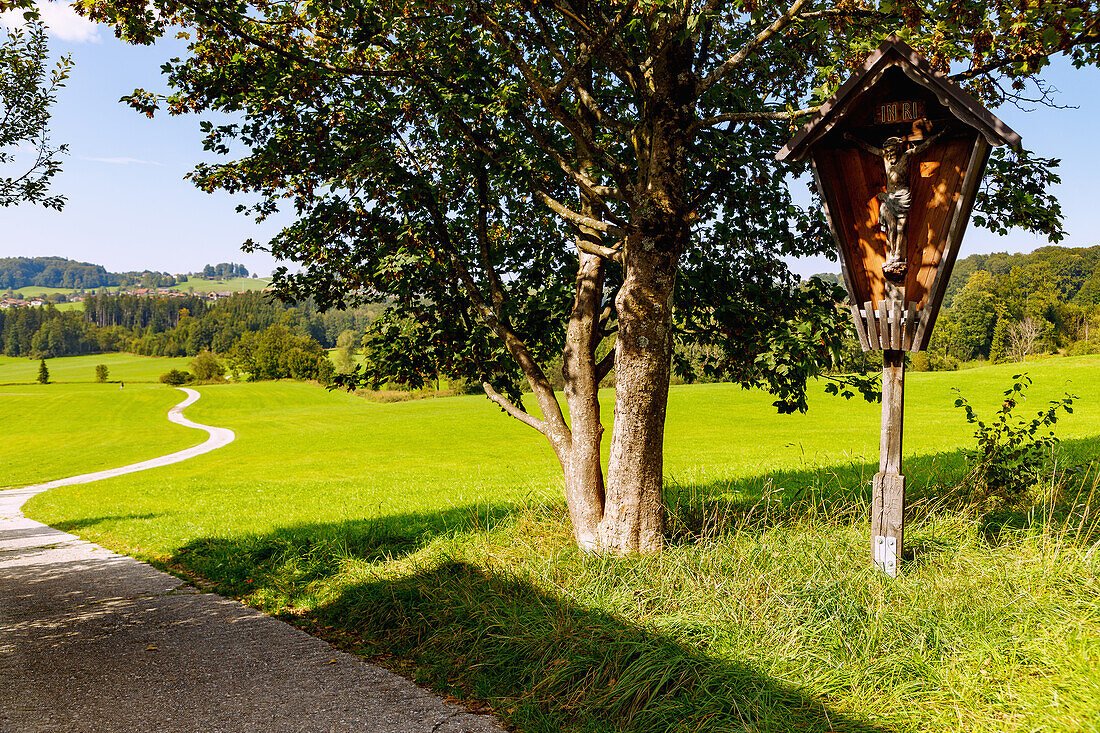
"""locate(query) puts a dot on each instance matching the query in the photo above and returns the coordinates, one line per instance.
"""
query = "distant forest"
(1002, 307)
(169, 326)
(58, 272)
(53, 272)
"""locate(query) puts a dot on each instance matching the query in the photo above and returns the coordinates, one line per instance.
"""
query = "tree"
(43, 372)
(28, 89)
(347, 348)
(1023, 336)
(975, 312)
(999, 348)
(529, 181)
(101, 372)
(205, 366)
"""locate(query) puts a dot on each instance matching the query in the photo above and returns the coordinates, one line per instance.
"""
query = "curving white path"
(219, 438)
(14, 499)
(95, 641)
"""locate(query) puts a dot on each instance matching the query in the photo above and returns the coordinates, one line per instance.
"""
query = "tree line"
(58, 272)
(222, 270)
(1002, 307)
(151, 326)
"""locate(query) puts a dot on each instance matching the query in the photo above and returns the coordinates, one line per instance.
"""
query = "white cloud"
(123, 161)
(61, 19)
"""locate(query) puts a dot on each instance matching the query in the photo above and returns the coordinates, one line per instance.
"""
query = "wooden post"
(888, 489)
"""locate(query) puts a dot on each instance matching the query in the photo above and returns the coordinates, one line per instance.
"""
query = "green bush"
(175, 377)
(101, 372)
(1082, 348)
(1011, 452)
(205, 366)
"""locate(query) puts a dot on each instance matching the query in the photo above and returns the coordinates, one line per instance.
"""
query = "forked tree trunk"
(626, 514)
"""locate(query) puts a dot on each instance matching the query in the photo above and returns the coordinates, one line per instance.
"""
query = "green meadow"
(58, 430)
(233, 284)
(120, 367)
(31, 291)
(430, 535)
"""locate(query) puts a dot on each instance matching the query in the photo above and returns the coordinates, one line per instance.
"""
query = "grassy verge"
(428, 535)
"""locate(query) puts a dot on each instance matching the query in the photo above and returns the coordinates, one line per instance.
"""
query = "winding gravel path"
(94, 641)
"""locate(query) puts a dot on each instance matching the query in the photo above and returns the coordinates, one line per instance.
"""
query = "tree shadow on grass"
(843, 493)
(296, 555)
(543, 662)
(73, 526)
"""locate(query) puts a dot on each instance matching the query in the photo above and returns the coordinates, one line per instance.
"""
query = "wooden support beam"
(861, 330)
(888, 488)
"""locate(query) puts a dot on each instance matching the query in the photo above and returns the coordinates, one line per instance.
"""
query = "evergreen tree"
(43, 373)
(998, 351)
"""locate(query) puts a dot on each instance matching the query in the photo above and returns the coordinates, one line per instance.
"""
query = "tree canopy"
(584, 179)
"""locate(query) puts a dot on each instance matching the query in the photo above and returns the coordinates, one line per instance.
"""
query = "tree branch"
(752, 117)
(608, 253)
(481, 227)
(578, 219)
(586, 56)
(761, 38)
(521, 415)
(605, 365)
(552, 105)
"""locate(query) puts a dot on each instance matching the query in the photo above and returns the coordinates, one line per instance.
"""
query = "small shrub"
(1011, 452)
(1082, 348)
(101, 372)
(43, 373)
(175, 377)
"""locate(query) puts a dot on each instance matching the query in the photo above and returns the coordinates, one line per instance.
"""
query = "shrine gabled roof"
(896, 53)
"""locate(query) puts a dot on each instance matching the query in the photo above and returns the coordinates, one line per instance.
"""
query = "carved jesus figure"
(893, 212)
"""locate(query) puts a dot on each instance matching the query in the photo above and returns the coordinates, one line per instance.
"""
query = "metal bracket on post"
(886, 554)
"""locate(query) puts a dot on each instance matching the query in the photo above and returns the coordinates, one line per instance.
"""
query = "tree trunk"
(634, 519)
(584, 488)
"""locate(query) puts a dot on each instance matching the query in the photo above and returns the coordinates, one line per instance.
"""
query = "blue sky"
(130, 208)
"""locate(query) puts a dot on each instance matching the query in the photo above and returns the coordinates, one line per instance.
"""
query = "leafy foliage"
(992, 298)
(1011, 452)
(1016, 188)
(176, 377)
(27, 92)
(101, 372)
(205, 366)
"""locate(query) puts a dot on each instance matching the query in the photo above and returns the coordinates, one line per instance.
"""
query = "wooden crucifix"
(897, 198)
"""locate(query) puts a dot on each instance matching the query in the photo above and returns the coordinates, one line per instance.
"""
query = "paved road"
(92, 641)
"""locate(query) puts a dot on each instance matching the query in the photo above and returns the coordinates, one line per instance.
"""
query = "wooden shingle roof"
(896, 53)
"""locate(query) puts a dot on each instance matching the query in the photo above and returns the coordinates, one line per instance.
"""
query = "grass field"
(233, 284)
(53, 431)
(120, 367)
(430, 535)
(31, 291)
